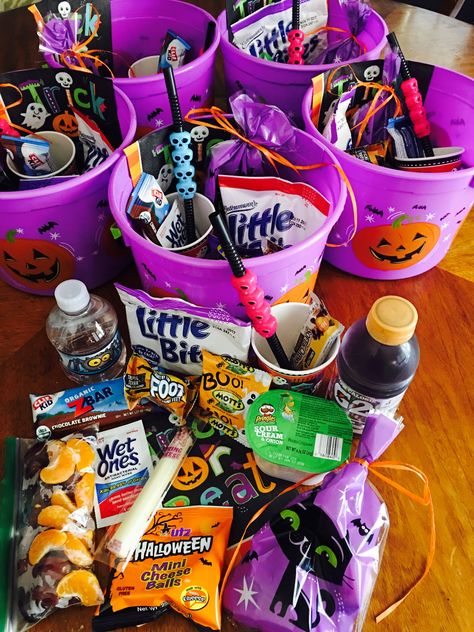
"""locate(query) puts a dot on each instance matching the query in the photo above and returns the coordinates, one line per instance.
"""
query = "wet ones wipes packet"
(228, 389)
(122, 465)
(171, 333)
(317, 337)
(167, 391)
(177, 564)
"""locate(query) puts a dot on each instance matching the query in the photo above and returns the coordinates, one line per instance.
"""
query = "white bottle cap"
(72, 296)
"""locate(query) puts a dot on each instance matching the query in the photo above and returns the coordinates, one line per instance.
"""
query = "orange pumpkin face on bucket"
(395, 246)
(36, 264)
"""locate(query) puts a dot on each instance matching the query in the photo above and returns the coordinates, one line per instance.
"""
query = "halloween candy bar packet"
(271, 210)
(50, 536)
(228, 389)
(313, 566)
(30, 155)
(177, 564)
(148, 206)
(264, 33)
(317, 337)
(171, 333)
(174, 394)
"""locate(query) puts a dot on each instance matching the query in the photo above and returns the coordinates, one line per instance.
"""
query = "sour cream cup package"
(293, 435)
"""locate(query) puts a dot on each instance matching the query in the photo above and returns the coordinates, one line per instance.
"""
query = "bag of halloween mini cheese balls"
(50, 534)
(178, 564)
(171, 333)
(313, 566)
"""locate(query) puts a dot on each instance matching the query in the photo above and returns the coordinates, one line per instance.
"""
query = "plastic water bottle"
(83, 328)
(377, 360)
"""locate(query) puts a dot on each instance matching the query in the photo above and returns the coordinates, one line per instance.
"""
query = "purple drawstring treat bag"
(263, 124)
(313, 566)
(351, 16)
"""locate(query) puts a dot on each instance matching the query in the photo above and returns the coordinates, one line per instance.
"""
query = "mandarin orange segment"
(45, 542)
(88, 539)
(60, 498)
(81, 584)
(76, 551)
(83, 453)
(84, 491)
(61, 463)
(53, 516)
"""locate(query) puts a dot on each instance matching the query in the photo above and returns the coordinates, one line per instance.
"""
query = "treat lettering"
(249, 230)
(116, 457)
(167, 328)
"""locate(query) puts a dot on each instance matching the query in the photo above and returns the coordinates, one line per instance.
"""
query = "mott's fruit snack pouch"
(104, 403)
(177, 564)
(47, 502)
(228, 389)
(172, 333)
(167, 391)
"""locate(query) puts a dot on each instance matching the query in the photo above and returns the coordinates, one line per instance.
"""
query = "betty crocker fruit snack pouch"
(177, 563)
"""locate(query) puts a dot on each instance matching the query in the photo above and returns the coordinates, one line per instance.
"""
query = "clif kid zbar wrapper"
(56, 414)
(171, 333)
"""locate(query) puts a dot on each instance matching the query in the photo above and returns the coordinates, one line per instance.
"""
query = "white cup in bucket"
(63, 154)
(291, 318)
(203, 207)
(145, 67)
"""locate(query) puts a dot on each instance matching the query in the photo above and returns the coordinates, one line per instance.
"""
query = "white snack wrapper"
(171, 333)
(122, 467)
(261, 209)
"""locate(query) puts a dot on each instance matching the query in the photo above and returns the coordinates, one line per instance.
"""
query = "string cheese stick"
(134, 525)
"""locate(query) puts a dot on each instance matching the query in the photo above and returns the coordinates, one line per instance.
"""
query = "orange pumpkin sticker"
(66, 123)
(36, 264)
(396, 246)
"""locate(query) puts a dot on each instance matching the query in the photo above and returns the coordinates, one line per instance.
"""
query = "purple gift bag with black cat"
(313, 566)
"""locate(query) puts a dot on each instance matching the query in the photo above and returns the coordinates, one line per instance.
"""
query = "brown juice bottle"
(377, 360)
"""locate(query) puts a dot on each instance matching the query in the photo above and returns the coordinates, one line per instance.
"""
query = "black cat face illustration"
(309, 539)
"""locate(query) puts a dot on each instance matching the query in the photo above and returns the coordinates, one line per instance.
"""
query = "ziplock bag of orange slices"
(47, 530)
(177, 563)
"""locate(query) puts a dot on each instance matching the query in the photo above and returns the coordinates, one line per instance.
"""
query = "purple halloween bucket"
(62, 231)
(284, 85)
(284, 276)
(407, 221)
(137, 28)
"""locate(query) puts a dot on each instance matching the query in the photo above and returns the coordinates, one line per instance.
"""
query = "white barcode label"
(327, 447)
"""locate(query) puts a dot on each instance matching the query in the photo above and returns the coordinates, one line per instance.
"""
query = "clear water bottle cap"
(72, 296)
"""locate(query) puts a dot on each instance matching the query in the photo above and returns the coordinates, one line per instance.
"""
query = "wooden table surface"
(437, 408)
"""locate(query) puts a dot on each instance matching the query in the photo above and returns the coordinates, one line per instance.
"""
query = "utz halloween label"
(178, 564)
(228, 388)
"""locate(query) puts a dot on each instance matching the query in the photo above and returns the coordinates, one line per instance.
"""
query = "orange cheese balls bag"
(177, 563)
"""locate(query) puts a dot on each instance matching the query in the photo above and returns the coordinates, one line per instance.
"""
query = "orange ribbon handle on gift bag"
(273, 157)
(373, 468)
